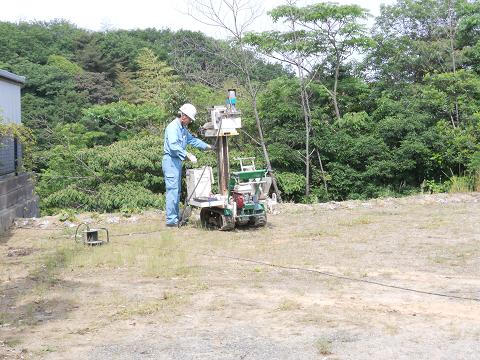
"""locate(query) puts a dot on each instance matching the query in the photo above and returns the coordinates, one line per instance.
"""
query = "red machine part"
(238, 198)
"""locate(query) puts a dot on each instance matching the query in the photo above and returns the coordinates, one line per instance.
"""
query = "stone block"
(17, 199)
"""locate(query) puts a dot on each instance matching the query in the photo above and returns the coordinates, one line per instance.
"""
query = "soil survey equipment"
(242, 195)
(90, 236)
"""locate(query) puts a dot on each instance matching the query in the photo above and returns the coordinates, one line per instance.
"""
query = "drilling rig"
(242, 195)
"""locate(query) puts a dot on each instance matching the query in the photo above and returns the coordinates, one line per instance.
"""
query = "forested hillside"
(345, 111)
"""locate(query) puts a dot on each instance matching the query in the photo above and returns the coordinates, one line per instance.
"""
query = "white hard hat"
(189, 110)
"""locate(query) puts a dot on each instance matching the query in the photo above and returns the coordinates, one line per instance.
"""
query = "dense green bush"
(126, 176)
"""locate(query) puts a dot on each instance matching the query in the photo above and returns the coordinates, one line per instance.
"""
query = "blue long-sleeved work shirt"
(176, 139)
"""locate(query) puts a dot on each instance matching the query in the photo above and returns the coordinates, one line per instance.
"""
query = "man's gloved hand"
(212, 147)
(191, 157)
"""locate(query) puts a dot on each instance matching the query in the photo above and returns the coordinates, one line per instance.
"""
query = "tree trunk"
(334, 93)
(452, 50)
(323, 172)
(306, 115)
(262, 141)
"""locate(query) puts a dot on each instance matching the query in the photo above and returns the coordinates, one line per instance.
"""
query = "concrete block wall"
(17, 200)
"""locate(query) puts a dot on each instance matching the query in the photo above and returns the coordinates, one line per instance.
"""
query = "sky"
(139, 14)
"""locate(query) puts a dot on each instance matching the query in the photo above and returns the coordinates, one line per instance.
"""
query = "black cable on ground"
(286, 267)
(342, 277)
(324, 273)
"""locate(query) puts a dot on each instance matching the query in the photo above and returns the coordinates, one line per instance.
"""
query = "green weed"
(289, 305)
(361, 220)
(165, 306)
(12, 342)
(323, 346)
(461, 184)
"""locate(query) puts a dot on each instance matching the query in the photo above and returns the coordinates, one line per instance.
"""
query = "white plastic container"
(205, 181)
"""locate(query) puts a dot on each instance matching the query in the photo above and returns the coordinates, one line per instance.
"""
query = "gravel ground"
(157, 293)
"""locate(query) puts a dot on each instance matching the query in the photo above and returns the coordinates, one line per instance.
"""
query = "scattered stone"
(12, 252)
(43, 224)
(113, 220)
(69, 224)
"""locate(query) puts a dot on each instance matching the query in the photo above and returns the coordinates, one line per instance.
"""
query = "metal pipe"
(223, 165)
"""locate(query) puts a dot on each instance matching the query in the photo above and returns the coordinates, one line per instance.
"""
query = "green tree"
(235, 17)
(90, 54)
(64, 65)
(98, 88)
(323, 30)
(122, 120)
(156, 82)
(417, 37)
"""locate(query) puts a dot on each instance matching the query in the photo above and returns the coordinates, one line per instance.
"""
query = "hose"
(187, 200)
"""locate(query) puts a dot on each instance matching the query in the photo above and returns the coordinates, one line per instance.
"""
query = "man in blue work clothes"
(176, 139)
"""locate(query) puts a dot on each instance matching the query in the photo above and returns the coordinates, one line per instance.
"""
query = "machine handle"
(78, 227)
(106, 230)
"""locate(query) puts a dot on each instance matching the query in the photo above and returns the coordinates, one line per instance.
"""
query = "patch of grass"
(95, 216)
(323, 346)
(387, 274)
(4, 318)
(48, 349)
(200, 286)
(289, 305)
(319, 234)
(476, 181)
(296, 210)
(433, 223)
(454, 255)
(217, 304)
(463, 257)
(391, 329)
(461, 184)
(81, 331)
(361, 220)
(163, 258)
(439, 259)
(165, 306)
(157, 255)
(313, 317)
(29, 314)
(50, 265)
(12, 342)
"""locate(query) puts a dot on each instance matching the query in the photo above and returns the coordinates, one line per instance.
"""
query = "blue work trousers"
(172, 171)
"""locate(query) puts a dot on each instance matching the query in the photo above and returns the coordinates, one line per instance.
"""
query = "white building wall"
(10, 108)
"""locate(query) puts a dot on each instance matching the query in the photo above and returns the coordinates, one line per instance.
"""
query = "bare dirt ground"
(162, 293)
